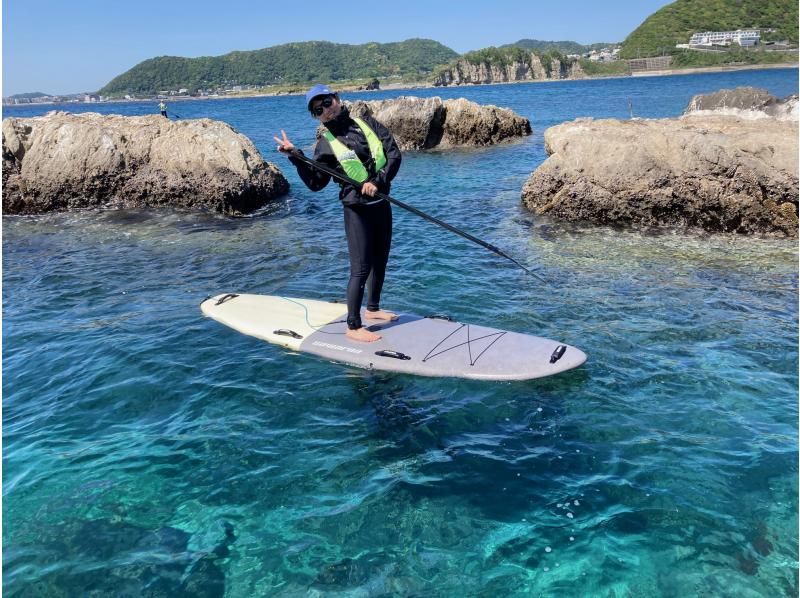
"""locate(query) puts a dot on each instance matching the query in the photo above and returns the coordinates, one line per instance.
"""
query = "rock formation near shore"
(464, 72)
(65, 161)
(424, 123)
(716, 172)
(747, 102)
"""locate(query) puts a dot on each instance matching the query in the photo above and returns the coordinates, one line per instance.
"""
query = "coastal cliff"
(532, 67)
(717, 171)
(63, 161)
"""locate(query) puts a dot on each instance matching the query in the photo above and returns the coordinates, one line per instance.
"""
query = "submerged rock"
(424, 123)
(62, 161)
(101, 557)
(719, 173)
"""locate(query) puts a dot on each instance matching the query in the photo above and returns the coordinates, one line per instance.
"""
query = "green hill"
(676, 22)
(564, 47)
(295, 63)
(28, 96)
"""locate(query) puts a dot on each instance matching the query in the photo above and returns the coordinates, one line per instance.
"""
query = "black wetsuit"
(367, 221)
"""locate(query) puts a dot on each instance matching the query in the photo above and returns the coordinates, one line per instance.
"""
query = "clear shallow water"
(133, 428)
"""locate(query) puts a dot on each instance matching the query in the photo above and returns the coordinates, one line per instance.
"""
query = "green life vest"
(352, 165)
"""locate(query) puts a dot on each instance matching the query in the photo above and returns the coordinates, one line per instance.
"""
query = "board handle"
(439, 317)
(287, 332)
(558, 353)
(393, 354)
(225, 298)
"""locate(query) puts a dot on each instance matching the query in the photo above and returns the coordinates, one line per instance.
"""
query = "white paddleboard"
(426, 346)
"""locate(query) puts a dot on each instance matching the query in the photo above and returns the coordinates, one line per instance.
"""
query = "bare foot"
(380, 315)
(362, 335)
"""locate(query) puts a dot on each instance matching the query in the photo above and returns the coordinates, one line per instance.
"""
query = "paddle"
(345, 179)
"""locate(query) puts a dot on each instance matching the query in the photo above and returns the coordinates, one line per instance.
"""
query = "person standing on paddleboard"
(364, 150)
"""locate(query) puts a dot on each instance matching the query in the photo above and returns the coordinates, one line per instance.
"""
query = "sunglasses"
(326, 103)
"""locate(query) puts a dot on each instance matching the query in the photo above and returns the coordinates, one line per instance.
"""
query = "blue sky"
(63, 46)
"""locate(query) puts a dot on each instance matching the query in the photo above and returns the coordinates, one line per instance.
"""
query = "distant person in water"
(364, 150)
(163, 108)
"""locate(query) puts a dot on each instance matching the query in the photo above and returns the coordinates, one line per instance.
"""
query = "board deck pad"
(425, 346)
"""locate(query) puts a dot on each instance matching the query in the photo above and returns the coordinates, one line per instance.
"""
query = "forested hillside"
(300, 63)
(564, 47)
(676, 22)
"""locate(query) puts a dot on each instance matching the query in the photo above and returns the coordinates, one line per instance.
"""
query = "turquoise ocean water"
(149, 451)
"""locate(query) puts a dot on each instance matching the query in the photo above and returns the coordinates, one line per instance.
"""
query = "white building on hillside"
(743, 37)
(603, 55)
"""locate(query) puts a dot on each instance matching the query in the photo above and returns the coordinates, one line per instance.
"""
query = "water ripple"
(665, 466)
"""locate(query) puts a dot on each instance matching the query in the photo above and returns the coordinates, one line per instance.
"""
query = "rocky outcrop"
(464, 72)
(747, 102)
(719, 173)
(424, 123)
(63, 161)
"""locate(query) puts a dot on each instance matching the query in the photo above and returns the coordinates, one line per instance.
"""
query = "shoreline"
(425, 85)
(714, 69)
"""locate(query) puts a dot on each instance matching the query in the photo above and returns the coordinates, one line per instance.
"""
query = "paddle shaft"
(346, 179)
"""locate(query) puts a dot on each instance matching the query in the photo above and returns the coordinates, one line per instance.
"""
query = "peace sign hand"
(284, 145)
